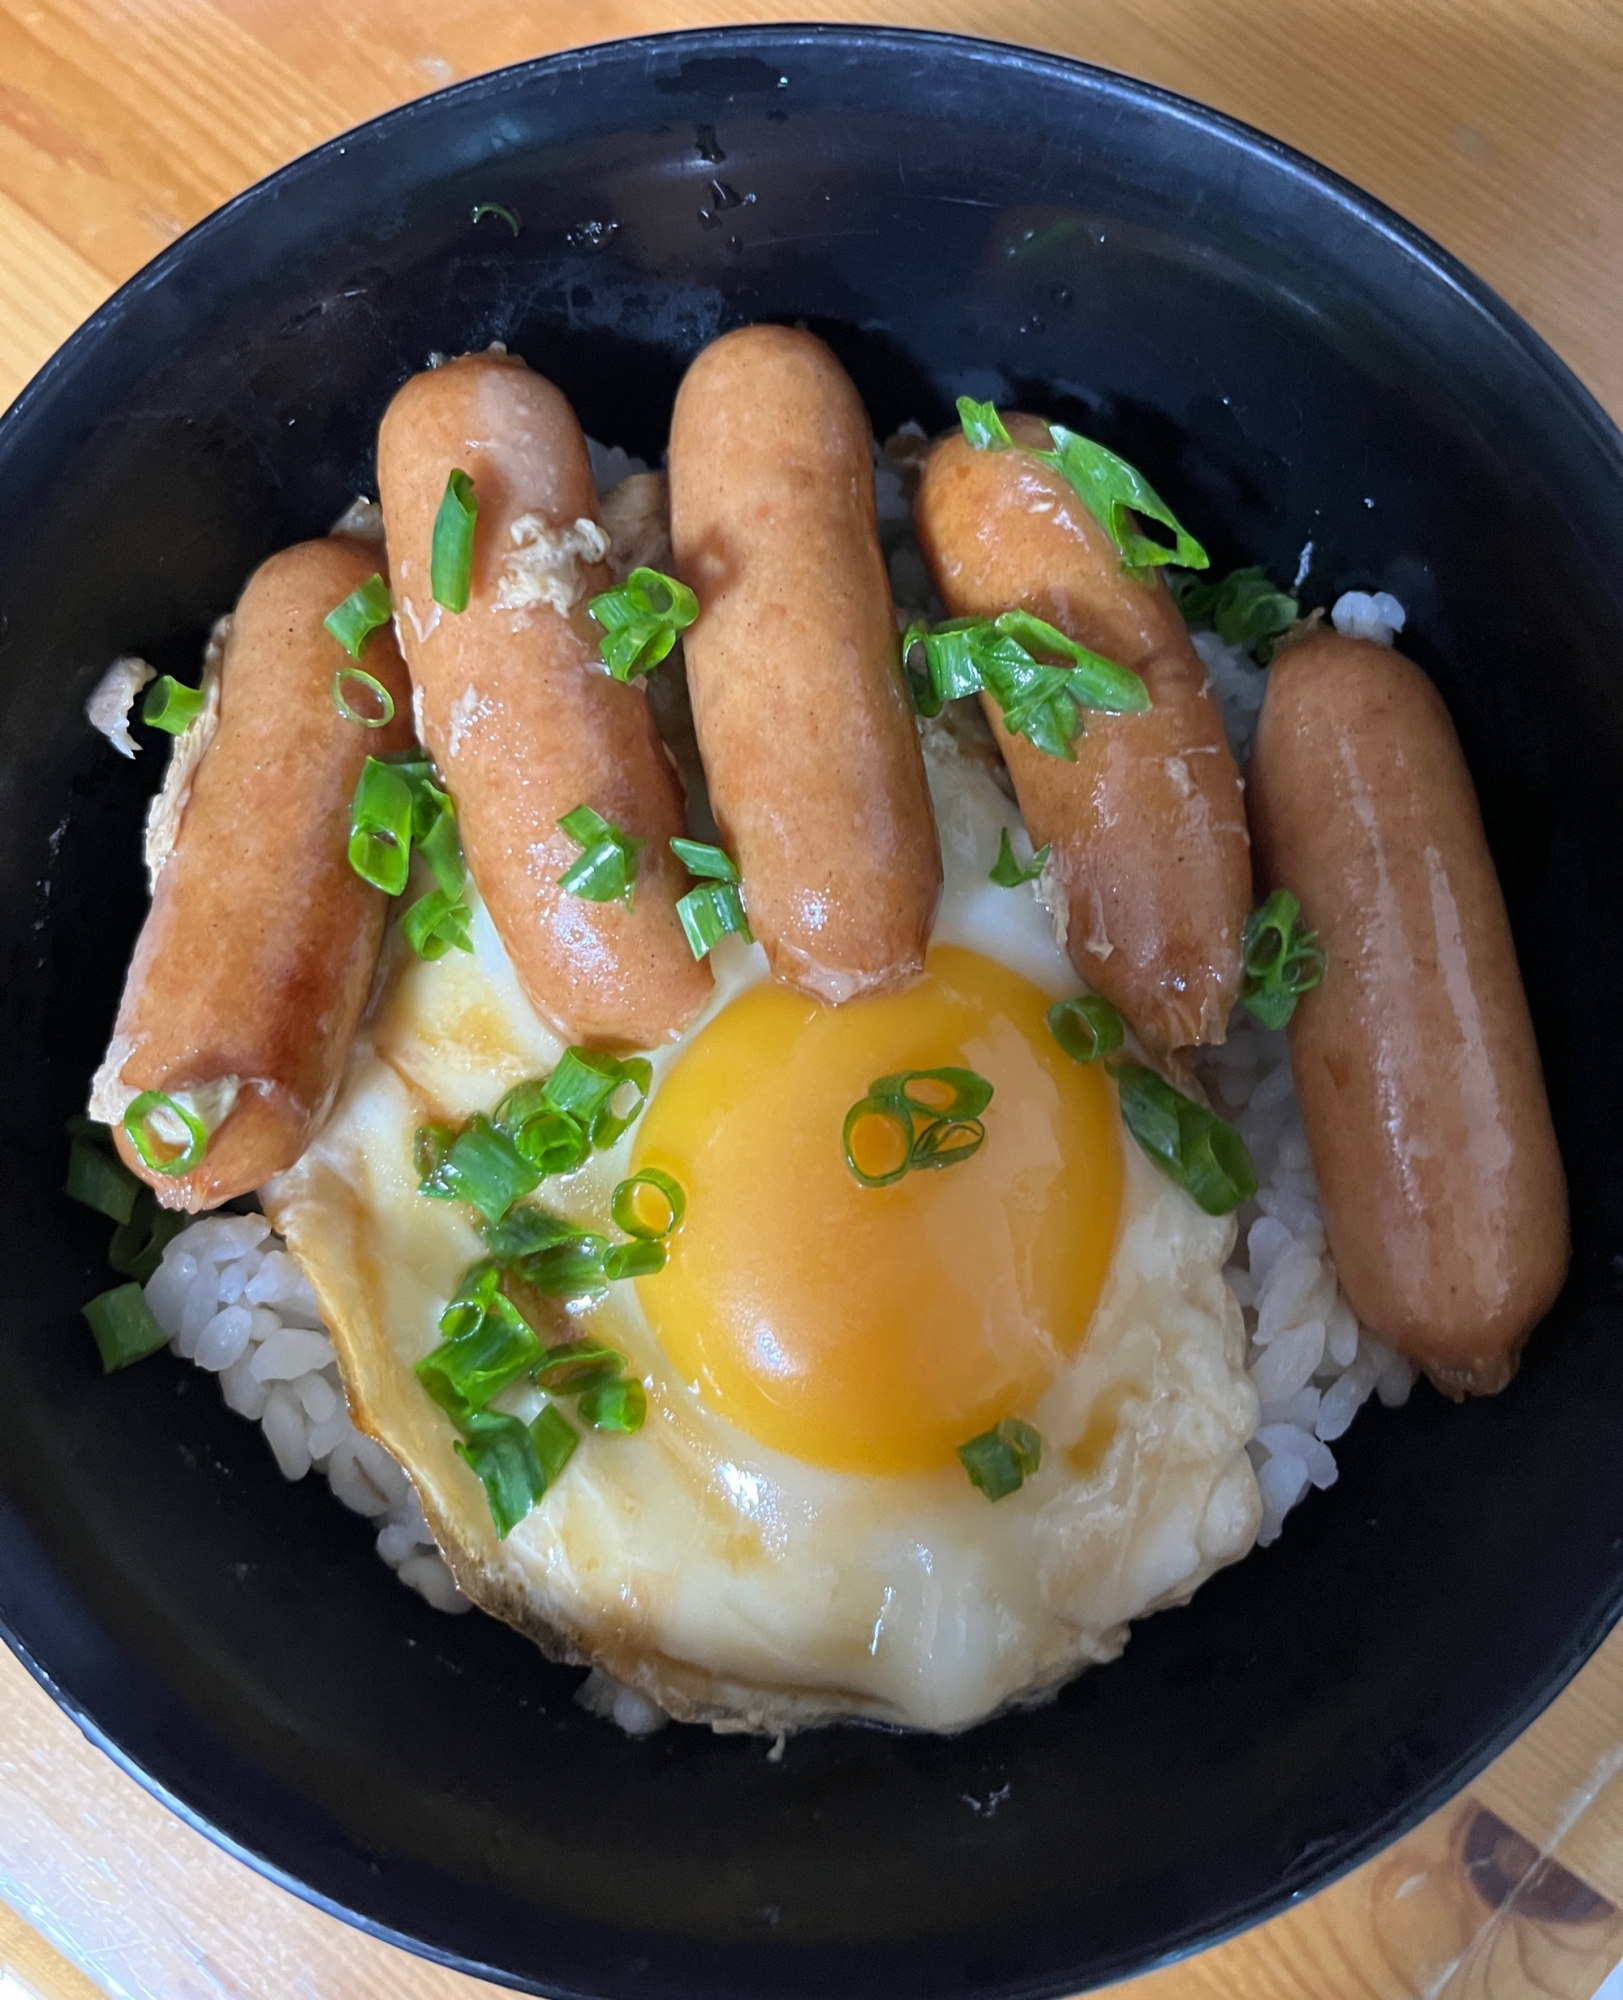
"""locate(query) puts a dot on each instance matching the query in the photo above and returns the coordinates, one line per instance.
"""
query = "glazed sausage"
(258, 952)
(1147, 827)
(1415, 1065)
(516, 709)
(803, 718)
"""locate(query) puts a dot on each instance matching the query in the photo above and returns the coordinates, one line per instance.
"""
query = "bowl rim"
(40, 397)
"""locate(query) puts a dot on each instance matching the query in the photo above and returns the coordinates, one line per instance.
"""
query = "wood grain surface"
(1497, 125)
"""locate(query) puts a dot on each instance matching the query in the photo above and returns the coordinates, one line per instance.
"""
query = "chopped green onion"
(465, 1373)
(526, 1232)
(1086, 1028)
(1282, 959)
(1001, 1460)
(637, 1259)
(1193, 1147)
(587, 1084)
(699, 858)
(1041, 702)
(516, 1462)
(554, 1142)
(615, 1406)
(137, 1246)
(178, 1158)
(607, 871)
(435, 923)
(353, 622)
(641, 620)
(573, 1269)
(451, 560)
(429, 1146)
(481, 1166)
(982, 426)
(625, 1202)
(374, 686)
(101, 1181)
(483, 208)
(479, 1285)
(577, 1365)
(1244, 606)
(711, 912)
(1112, 490)
(928, 1130)
(554, 1438)
(124, 1326)
(380, 827)
(1008, 873)
(170, 705)
(434, 835)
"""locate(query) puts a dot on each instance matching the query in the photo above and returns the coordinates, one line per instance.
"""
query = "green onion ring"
(1086, 1027)
(135, 1127)
(623, 1206)
(893, 1110)
(451, 556)
(373, 685)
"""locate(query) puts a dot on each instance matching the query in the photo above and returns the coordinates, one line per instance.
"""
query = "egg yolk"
(877, 1329)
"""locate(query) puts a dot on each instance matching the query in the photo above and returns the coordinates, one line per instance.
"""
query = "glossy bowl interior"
(1287, 362)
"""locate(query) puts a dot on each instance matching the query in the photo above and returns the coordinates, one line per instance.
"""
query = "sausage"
(803, 717)
(1415, 1064)
(516, 709)
(1147, 827)
(257, 954)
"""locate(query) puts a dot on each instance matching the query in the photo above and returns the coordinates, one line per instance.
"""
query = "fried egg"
(791, 1536)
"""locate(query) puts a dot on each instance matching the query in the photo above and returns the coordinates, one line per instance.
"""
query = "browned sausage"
(1415, 1064)
(257, 954)
(1148, 826)
(515, 708)
(803, 718)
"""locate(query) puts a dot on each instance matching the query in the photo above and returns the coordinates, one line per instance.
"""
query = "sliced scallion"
(1086, 1028)
(1282, 959)
(627, 1205)
(434, 834)
(699, 858)
(380, 695)
(137, 1246)
(607, 871)
(615, 1406)
(465, 1373)
(1001, 1460)
(1192, 1146)
(1245, 607)
(509, 1459)
(554, 1438)
(380, 827)
(479, 1285)
(483, 208)
(1008, 873)
(576, 1365)
(915, 1121)
(165, 1152)
(101, 1181)
(591, 1086)
(481, 1166)
(711, 912)
(435, 923)
(124, 1326)
(451, 559)
(641, 620)
(637, 1259)
(170, 705)
(1112, 490)
(526, 1232)
(573, 1269)
(351, 623)
(1041, 701)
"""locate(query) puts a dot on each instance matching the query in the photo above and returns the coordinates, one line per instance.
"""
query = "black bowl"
(1286, 360)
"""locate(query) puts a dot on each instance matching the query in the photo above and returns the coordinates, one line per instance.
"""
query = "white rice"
(1313, 1364)
(233, 1302)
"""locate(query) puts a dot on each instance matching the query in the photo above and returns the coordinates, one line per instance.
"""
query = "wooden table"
(1495, 124)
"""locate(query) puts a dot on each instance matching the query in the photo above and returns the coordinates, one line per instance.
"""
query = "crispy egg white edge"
(731, 1583)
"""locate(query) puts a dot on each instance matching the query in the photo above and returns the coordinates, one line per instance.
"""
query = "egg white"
(729, 1582)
